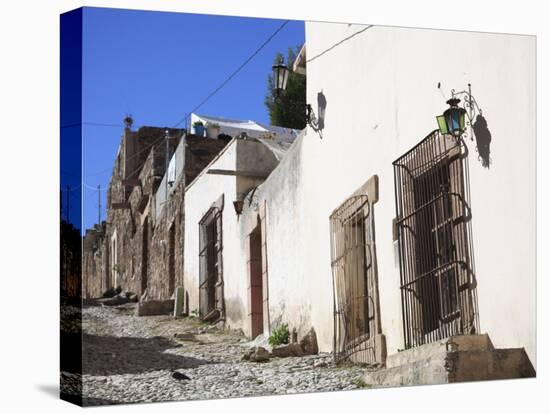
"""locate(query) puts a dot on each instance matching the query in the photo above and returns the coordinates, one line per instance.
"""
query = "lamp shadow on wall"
(483, 140)
(318, 123)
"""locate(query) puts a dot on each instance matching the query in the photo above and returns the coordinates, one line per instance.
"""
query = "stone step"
(440, 348)
(457, 359)
(423, 372)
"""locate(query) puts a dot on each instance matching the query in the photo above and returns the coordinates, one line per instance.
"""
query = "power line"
(339, 43)
(215, 91)
(206, 99)
(67, 188)
(91, 187)
(148, 147)
(141, 165)
(101, 124)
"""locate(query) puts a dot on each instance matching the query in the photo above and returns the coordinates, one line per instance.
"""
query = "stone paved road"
(131, 359)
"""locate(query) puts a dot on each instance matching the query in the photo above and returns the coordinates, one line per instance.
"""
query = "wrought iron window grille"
(211, 300)
(355, 303)
(438, 289)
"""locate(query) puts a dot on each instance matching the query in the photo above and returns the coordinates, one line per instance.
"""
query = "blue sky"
(158, 66)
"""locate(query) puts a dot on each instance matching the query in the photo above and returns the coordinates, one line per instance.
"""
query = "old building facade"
(376, 229)
(139, 247)
(372, 227)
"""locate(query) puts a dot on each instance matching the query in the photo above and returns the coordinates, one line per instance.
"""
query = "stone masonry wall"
(132, 238)
(128, 203)
(166, 250)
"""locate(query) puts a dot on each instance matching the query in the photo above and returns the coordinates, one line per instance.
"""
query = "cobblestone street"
(130, 359)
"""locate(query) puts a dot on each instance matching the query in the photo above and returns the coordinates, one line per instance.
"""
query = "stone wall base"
(456, 359)
(155, 307)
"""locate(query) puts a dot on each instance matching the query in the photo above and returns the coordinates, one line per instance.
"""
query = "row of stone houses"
(138, 248)
(70, 261)
(365, 226)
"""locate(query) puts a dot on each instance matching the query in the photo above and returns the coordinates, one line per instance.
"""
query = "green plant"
(213, 125)
(197, 123)
(288, 108)
(280, 335)
(360, 383)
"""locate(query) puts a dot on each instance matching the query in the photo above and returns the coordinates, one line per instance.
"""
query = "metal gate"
(434, 238)
(355, 292)
(211, 303)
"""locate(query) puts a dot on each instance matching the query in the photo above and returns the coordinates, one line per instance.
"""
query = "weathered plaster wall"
(240, 155)
(290, 285)
(382, 98)
(200, 195)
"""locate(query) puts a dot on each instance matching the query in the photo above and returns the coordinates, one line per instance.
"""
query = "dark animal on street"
(179, 376)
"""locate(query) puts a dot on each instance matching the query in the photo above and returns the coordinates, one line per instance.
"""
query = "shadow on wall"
(483, 140)
(318, 122)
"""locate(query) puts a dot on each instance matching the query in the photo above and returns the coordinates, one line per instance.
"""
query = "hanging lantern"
(453, 119)
(280, 76)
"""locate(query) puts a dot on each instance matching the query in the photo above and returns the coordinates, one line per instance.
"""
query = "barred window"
(353, 271)
(434, 240)
(211, 305)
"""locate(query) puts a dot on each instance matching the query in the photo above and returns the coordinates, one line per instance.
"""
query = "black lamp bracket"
(469, 104)
(311, 119)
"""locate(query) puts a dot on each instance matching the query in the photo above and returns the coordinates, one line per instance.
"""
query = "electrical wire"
(71, 188)
(235, 72)
(199, 105)
(148, 147)
(93, 124)
(338, 43)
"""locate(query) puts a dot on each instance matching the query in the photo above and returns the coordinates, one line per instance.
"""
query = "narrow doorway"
(172, 260)
(211, 303)
(256, 283)
(144, 255)
(114, 261)
(106, 269)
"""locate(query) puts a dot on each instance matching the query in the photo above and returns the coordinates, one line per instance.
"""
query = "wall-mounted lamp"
(452, 120)
(457, 118)
(238, 206)
(280, 77)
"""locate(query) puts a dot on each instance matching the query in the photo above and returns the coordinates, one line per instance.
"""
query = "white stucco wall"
(290, 285)
(199, 196)
(206, 189)
(382, 99)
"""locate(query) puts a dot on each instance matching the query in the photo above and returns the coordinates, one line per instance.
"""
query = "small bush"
(360, 383)
(280, 335)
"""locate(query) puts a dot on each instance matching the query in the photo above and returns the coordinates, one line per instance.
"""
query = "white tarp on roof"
(234, 127)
